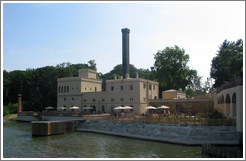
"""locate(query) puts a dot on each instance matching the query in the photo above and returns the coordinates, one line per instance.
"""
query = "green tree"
(37, 86)
(228, 62)
(6, 86)
(117, 71)
(188, 107)
(13, 85)
(171, 70)
(208, 107)
(92, 64)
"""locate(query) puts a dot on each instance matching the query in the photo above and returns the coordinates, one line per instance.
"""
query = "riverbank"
(186, 135)
(10, 117)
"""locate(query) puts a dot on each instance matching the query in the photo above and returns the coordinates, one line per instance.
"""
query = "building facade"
(86, 91)
(173, 94)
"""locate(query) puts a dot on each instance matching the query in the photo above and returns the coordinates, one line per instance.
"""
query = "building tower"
(125, 52)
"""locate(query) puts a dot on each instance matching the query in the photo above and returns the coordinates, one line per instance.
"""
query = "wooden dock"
(45, 128)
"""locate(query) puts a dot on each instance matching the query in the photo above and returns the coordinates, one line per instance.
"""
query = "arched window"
(222, 99)
(219, 100)
(234, 98)
(228, 98)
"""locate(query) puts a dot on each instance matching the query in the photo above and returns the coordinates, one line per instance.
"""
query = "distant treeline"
(39, 86)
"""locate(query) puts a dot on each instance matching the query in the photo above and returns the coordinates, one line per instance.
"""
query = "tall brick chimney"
(125, 51)
(19, 102)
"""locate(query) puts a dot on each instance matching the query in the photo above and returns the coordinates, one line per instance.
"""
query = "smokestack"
(19, 102)
(125, 51)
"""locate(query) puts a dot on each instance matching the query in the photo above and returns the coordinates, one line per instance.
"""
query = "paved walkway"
(190, 135)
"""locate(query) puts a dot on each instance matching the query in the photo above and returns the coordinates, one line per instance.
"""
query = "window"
(72, 99)
(144, 86)
(85, 88)
(131, 87)
(67, 89)
(62, 89)
(59, 89)
(131, 99)
(154, 87)
(149, 87)
(95, 89)
(64, 99)
(85, 100)
(112, 100)
(112, 88)
(122, 88)
(144, 99)
(103, 100)
(93, 100)
(122, 99)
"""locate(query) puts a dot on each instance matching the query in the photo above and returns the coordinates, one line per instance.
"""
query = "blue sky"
(46, 34)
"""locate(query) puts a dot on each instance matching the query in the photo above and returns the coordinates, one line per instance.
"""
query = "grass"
(10, 117)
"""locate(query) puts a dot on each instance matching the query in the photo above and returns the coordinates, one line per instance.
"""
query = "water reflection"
(18, 142)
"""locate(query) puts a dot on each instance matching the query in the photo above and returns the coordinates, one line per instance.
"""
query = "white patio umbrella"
(49, 108)
(74, 108)
(127, 108)
(119, 108)
(61, 108)
(149, 107)
(88, 108)
(163, 107)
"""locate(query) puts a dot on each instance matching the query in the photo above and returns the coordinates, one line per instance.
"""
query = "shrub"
(10, 109)
(5, 110)
(217, 115)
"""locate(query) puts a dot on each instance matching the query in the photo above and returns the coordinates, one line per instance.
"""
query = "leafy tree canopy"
(38, 86)
(171, 70)
(227, 65)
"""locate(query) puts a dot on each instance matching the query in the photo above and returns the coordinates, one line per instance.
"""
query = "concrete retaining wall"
(27, 118)
(57, 118)
(46, 118)
(195, 135)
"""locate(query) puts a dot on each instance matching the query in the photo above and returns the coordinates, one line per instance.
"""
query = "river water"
(18, 142)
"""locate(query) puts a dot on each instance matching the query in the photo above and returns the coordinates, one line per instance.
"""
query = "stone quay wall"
(187, 135)
(24, 118)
